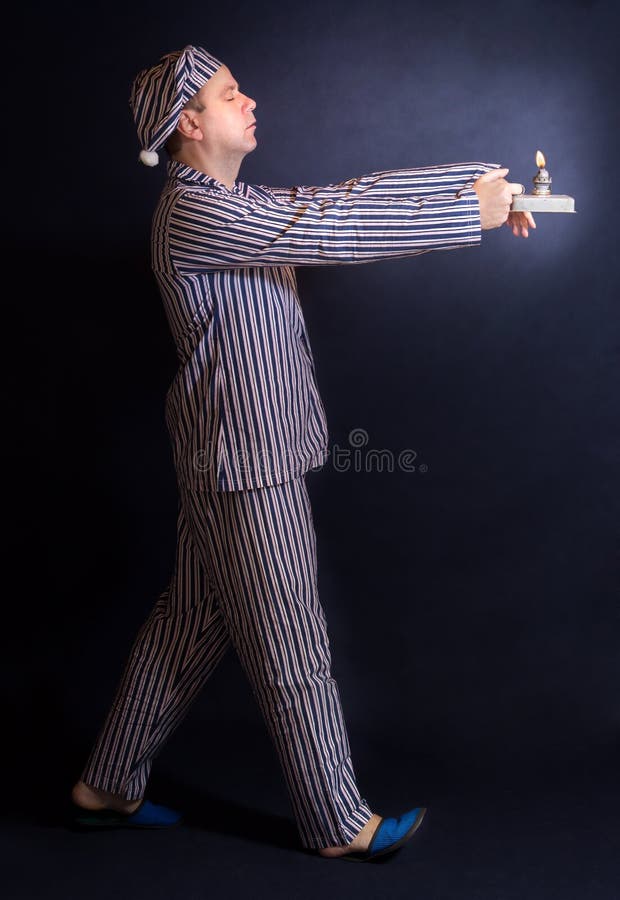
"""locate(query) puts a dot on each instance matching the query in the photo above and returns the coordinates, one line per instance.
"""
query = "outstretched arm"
(383, 215)
(488, 180)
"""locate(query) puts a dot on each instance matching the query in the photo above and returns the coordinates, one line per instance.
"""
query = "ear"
(189, 126)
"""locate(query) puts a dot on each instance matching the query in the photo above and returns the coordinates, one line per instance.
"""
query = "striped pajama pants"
(246, 573)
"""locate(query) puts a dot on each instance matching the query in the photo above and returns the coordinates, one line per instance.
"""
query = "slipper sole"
(366, 857)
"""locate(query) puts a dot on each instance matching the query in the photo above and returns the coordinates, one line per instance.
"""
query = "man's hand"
(495, 197)
(519, 221)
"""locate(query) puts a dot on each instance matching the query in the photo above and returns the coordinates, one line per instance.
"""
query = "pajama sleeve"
(383, 215)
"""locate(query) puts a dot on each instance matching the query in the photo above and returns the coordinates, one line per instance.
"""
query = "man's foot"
(94, 799)
(360, 842)
(95, 809)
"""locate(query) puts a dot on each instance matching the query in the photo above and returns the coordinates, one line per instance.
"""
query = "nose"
(251, 104)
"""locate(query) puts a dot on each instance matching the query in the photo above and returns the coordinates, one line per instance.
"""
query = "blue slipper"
(147, 815)
(390, 835)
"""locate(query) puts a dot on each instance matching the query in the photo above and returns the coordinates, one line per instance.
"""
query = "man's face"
(227, 120)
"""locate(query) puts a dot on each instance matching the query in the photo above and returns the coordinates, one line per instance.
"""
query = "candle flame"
(540, 159)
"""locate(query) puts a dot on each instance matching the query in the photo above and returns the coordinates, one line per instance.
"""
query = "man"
(246, 423)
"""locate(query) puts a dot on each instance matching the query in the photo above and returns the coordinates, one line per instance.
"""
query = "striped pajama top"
(244, 409)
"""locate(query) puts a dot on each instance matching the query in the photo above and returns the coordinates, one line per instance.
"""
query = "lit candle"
(541, 199)
(542, 179)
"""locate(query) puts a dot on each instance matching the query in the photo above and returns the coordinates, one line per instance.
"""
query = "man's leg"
(260, 547)
(175, 652)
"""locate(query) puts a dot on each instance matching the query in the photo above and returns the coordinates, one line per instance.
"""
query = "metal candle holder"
(541, 199)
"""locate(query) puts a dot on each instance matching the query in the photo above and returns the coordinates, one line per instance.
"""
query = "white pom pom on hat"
(159, 93)
(149, 157)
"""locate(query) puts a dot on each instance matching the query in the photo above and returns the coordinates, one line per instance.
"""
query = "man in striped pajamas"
(246, 423)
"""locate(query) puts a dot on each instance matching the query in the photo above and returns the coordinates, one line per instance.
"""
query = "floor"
(486, 837)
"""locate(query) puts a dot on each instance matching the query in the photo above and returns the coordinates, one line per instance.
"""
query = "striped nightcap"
(159, 93)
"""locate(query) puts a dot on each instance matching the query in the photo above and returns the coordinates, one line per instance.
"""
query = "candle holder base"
(560, 203)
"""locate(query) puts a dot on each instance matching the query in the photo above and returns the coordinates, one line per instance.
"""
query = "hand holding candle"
(495, 196)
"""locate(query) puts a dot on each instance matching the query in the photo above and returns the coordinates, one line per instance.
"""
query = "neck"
(223, 169)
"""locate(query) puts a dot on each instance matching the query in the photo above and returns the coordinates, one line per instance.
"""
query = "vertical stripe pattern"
(246, 574)
(244, 409)
(246, 422)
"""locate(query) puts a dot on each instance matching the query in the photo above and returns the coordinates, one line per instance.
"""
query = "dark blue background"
(473, 609)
